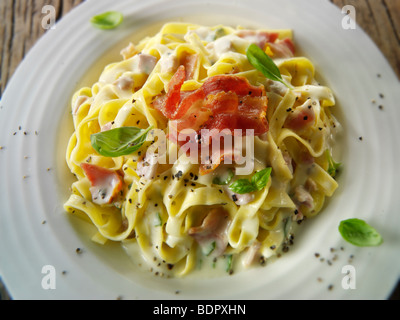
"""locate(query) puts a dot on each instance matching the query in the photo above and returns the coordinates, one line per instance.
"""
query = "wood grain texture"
(380, 19)
(21, 27)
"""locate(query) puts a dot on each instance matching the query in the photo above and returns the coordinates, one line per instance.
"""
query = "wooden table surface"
(21, 27)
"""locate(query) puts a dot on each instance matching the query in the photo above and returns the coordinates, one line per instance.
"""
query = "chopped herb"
(229, 263)
(225, 179)
(332, 165)
(159, 220)
(211, 249)
(220, 32)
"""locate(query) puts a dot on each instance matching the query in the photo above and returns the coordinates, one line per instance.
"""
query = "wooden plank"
(21, 27)
(380, 19)
(6, 32)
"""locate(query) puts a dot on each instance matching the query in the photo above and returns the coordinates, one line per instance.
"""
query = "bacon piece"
(236, 84)
(222, 102)
(301, 118)
(189, 61)
(213, 230)
(252, 253)
(107, 126)
(145, 63)
(147, 167)
(188, 101)
(124, 83)
(167, 104)
(282, 48)
(303, 196)
(214, 86)
(238, 113)
(129, 51)
(216, 158)
(105, 183)
(78, 103)
(169, 63)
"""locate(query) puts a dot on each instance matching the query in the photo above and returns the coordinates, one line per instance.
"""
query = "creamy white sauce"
(168, 63)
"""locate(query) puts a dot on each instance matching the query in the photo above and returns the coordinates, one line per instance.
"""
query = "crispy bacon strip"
(222, 102)
(167, 104)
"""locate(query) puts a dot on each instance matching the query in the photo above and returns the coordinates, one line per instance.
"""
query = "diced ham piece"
(124, 83)
(239, 199)
(78, 102)
(213, 232)
(251, 254)
(145, 63)
(107, 126)
(189, 61)
(129, 51)
(301, 118)
(169, 63)
(147, 167)
(282, 48)
(260, 38)
(303, 196)
(288, 160)
(167, 104)
(105, 183)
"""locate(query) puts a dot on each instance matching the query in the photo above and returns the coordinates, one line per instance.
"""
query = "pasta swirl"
(182, 214)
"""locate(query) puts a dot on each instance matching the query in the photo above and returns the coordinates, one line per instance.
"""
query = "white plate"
(37, 100)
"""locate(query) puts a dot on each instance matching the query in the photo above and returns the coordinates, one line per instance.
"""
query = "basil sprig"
(119, 141)
(107, 20)
(262, 62)
(258, 181)
(359, 233)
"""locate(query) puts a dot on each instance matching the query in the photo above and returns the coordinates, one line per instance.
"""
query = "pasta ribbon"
(174, 211)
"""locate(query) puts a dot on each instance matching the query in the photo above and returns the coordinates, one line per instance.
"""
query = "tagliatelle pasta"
(210, 163)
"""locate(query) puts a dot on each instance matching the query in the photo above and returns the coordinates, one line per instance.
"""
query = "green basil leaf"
(119, 141)
(333, 166)
(262, 62)
(225, 179)
(107, 20)
(260, 178)
(242, 186)
(359, 233)
(258, 181)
